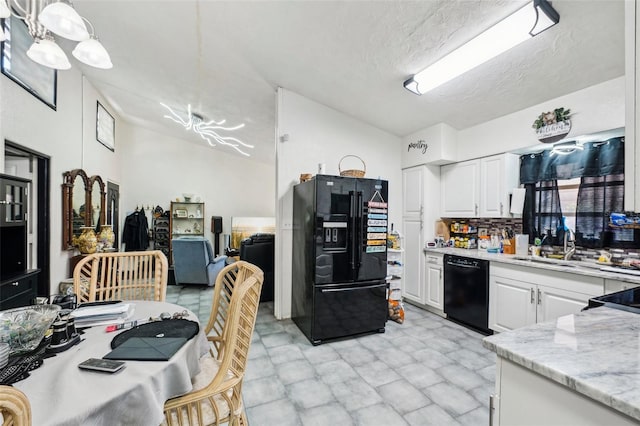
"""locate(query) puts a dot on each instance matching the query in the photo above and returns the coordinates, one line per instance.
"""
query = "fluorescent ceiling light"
(506, 34)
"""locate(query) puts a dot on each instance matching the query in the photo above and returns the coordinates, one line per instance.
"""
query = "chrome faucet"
(569, 247)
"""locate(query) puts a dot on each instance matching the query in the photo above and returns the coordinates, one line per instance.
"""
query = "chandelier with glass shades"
(47, 17)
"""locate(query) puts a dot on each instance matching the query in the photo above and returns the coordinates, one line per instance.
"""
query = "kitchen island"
(581, 369)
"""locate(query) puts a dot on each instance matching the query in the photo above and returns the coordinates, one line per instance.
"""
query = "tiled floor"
(427, 371)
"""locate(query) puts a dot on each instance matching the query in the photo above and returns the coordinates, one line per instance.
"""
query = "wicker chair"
(226, 281)
(134, 275)
(219, 400)
(15, 409)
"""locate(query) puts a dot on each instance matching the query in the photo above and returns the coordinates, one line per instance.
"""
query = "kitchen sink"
(559, 262)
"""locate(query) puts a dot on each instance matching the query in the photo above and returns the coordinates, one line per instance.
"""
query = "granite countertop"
(570, 266)
(594, 353)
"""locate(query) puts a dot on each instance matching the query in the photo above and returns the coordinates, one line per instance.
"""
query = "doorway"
(113, 210)
(34, 166)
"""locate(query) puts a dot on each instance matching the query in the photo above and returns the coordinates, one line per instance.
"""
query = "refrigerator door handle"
(333, 290)
(352, 224)
(359, 230)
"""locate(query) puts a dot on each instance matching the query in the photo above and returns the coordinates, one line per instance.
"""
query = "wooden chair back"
(221, 400)
(15, 409)
(134, 275)
(232, 275)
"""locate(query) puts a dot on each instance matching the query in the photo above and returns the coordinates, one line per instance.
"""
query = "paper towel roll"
(517, 200)
(522, 244)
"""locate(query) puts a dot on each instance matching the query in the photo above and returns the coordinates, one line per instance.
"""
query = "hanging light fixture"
(506, 34)
(209, 130)
(44, 17)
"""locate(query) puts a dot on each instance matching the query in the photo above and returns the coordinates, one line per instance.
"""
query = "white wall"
(157, 168)
(318, 134)
(596, 108)
(61, 134)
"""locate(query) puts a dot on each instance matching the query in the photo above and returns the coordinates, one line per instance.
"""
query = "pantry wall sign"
(552, 126)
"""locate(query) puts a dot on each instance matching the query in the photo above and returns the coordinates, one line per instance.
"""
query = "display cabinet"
(13, 226)
(186, 218)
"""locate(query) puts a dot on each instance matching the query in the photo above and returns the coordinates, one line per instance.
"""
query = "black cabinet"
(13, 226)
(19, 290)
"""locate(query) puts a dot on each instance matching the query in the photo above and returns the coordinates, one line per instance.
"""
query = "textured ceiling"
(227, 58)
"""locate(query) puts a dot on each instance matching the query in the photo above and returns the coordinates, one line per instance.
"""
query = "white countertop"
(570, 266)
(594, 353)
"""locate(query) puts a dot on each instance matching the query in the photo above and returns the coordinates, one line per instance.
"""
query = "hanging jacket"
(135, 235)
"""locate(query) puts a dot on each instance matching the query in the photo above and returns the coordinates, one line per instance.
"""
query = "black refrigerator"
(339, 272)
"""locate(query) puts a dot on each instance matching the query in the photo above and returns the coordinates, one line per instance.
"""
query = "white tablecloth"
(62, 394)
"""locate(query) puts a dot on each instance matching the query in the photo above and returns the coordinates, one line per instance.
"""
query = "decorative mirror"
(97, 203)
(83, 204)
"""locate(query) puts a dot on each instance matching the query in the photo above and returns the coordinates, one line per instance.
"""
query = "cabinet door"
(413, 262)
(498, 176)
(460, 188)
(492, 189)
(611, 286)
(412, 180)
(434, 285)
(554, 303)
(511, 304)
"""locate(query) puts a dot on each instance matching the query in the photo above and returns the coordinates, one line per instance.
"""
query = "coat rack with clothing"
(135, 235)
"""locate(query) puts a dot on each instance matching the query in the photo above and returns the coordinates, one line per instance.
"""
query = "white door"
(554, 303)
(412, 181)
(434, 285)
(511, 304)
(492, 187)
(460, 188)
(413, 261)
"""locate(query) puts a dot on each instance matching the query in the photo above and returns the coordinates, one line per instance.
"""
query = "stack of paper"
(90, 316)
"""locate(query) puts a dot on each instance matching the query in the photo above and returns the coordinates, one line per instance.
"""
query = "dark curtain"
(542, 215)
(597, 198)
(600, 165)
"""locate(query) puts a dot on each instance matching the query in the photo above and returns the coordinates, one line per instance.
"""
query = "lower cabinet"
(520, 297)
(19, 291)
(434, 286)
(611, 286)
(524, 397)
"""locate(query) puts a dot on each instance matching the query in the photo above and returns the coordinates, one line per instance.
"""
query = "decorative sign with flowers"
(553, 125)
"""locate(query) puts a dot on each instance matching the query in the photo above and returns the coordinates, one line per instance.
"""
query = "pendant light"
(63, 20)
(46, 52)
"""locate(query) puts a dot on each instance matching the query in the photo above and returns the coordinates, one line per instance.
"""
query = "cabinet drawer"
(434, 258)
(24, 285)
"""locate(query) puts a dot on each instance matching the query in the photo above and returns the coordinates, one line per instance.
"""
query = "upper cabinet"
(479, 188)
(412, 183)
(460, 189)
(498, 177)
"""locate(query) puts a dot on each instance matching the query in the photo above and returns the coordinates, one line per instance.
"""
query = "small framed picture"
(105, 127)
(181, 213)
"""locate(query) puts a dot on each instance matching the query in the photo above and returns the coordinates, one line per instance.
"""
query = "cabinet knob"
(476, 209)
(533, 296)
(501, 209)
(15, 284)
(539, 297)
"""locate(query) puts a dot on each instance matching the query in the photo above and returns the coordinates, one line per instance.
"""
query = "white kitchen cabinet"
(511, 304)
(498, 177)
(524, 397)
(460, 189)
(434, 286)
(479, 188)
(611, 286)
(412, 287)
(520, 296)
(412, 184)
(421, 192)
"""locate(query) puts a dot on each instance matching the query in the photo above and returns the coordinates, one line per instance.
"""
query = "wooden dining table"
(60, 393)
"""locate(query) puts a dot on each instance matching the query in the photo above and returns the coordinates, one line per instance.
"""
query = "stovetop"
(626, 300)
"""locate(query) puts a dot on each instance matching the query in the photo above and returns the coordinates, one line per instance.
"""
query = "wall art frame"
(105, 127)
(36, 79)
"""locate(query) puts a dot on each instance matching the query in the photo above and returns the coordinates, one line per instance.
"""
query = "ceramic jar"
(106, 236)
(87, 241)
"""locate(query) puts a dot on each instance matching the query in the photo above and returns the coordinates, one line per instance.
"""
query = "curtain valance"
(595, 159)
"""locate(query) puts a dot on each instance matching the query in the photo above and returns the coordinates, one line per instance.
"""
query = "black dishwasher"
(466, 292)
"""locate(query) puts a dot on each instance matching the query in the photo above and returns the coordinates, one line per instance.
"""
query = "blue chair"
(194, 262)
